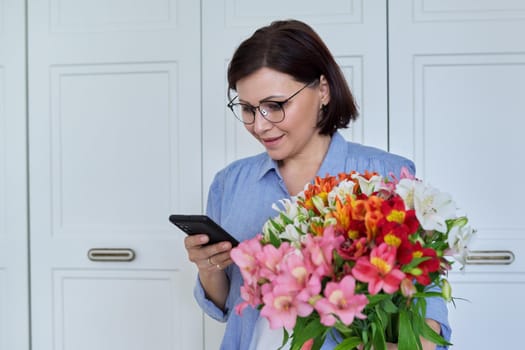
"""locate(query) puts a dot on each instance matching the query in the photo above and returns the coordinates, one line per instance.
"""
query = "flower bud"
(416, 271)
(446, 290)
(318, 203)
(407, 288)
(308, 344)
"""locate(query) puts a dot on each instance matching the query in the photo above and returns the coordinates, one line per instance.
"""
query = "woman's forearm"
(216, 286)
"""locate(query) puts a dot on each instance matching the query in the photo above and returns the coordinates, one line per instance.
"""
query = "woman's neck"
(301, 169)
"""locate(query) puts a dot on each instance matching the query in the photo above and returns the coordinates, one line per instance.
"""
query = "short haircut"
(294, 48)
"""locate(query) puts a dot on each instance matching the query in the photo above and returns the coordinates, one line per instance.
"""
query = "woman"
(292, 97)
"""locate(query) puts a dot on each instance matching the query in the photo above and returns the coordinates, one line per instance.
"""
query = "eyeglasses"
(272, 111)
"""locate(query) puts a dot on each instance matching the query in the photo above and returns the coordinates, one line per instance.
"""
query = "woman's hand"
(207, 258)
(211, 261)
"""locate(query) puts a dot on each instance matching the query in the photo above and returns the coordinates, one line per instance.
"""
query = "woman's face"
(297, 135)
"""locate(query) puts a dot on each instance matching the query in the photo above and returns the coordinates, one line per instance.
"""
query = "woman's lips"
(271, 141)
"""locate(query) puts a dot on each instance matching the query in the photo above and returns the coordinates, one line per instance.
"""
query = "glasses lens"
(243, 112)
(272, 111)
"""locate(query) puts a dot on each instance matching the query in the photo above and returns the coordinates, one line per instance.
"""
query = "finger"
(222, 258)
(217, 251)
(194, 241)
(207, 257)
(217, 256)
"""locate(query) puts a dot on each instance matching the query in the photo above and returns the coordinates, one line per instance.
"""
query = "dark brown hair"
(294, 48)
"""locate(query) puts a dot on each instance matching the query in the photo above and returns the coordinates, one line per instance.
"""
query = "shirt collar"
(331, 162)
(267, 165)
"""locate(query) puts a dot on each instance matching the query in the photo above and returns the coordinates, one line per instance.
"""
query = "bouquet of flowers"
(354, 256)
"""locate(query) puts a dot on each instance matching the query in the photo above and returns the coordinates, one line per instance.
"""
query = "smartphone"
(198, 224)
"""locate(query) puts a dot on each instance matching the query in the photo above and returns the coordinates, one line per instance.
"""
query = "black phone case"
(198, 224)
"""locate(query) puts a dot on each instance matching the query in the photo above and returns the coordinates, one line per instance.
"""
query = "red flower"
(353, 249)
(379, 271)
(420, 272)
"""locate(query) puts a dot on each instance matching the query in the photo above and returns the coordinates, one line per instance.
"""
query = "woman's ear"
(324, 90)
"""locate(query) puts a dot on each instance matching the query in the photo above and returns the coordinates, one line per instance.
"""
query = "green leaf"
(312, 328)
(428, 295)
(286, 336)
(286, 220)
(274, 240)
(389, 306)
(348, 343)
(374, 299)
(407, 339)
(381, 316)
(415, 262)
(276, 226)
(378, 337)
(343, 329)
(428, 333)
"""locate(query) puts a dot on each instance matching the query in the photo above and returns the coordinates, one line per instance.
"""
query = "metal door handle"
(111, 254)
(490, 257)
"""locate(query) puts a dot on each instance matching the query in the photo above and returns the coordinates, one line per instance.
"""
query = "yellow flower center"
(300, 274)
(282, 302)
(417, 254)
(396, 216)
(392, 240)
(353, 234)
(382, 266)
(338, 299)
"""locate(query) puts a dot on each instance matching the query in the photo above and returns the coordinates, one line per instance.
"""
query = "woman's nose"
(260, 124)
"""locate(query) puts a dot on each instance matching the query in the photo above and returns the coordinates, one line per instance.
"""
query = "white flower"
(318, 203)
(343, 189)
(458, 240)
(369, 186)
(291, 234)
(268, 229)
(289, 208)
(405, 188)
(433, 207)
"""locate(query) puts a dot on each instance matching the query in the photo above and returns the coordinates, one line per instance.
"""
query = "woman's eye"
(272, 106)
(246, 108)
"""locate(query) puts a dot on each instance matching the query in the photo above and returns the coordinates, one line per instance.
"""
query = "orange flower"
(359, 209)
(316, 228)
(373, 216)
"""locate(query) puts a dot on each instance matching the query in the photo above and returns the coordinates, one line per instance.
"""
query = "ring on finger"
(218, 266)
(210, 262)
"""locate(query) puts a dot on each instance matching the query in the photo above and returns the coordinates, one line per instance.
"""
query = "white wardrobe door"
(457, 88)
(14, 317)
(115, 147)
(355, 32)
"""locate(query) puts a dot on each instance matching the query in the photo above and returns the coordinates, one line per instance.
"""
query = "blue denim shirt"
(240, 200)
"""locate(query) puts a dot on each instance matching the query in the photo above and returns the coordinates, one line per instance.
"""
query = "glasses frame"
(262, 112)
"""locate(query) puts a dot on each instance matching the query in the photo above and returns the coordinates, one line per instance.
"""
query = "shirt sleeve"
(213, 211)
(437, 311)
(394, 165)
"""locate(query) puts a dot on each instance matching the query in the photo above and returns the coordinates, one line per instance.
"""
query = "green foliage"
(348, 343)
(408, 339)
(307, 328)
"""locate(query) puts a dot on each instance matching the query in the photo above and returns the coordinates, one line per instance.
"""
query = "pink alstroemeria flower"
(296, 278)
(280, 307)
(271, 259)
(244, 256)
(294, 271)
(341, 301)
(319, 251)
(379, 272)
